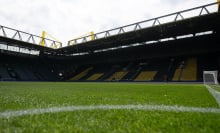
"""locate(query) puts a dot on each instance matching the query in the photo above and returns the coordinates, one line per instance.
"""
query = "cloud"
(66, 19)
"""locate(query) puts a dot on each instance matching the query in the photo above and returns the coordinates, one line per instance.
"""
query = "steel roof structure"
(172, 28)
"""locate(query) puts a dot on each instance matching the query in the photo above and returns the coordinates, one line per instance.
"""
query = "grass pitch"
(34, 95)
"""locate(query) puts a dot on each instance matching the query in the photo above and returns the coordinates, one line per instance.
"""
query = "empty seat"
(146, 76)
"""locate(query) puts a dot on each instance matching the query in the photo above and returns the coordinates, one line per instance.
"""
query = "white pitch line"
(214, 93)
(165, 108)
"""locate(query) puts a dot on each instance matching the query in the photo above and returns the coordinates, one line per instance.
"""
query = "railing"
(174, 17)
(27, 37)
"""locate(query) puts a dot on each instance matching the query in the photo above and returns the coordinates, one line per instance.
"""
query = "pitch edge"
(164, 108)
(214, 93)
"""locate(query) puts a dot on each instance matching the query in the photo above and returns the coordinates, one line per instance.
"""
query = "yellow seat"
(190, 71)
(146, 76)
(81, 74)
(117, 75)
(95, 76)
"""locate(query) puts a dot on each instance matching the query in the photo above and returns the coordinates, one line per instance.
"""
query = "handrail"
(140, 25)
(25, 37)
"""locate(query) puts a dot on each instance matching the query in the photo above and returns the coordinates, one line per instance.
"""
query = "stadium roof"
(168, 27)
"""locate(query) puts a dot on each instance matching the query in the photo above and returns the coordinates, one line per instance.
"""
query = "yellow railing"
(55, 45)
(90, 34)
(218, 5)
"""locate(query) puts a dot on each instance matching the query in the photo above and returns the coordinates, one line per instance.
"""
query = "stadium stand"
(18, 68)
(178, 50)
(170, 69)
(4, 73)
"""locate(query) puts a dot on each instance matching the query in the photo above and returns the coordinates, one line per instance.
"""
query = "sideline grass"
(19, 96)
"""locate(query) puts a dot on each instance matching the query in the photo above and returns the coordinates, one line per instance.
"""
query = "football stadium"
(156, 75)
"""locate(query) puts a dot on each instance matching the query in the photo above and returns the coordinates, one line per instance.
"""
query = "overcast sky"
(68, 19)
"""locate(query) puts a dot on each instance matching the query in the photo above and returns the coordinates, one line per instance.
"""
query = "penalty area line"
(164, 108)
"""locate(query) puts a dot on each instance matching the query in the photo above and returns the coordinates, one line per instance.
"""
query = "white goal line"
(214, 93)
(164, 108)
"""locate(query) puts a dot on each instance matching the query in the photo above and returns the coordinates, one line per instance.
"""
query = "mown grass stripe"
(165, 108)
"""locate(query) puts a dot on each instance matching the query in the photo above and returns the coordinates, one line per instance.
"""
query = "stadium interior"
(176, 51)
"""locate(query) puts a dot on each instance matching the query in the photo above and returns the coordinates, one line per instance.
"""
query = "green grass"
(115, 121)
(26, 95)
